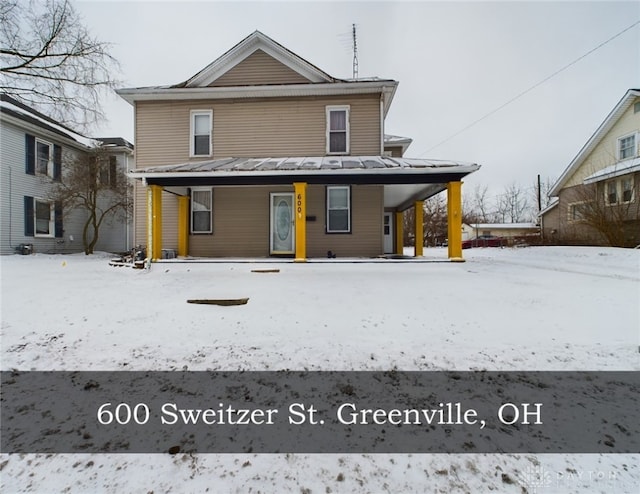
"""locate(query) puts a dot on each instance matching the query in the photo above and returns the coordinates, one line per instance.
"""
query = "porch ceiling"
(405, 179)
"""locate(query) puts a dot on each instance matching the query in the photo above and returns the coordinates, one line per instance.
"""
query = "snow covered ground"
(544, 308)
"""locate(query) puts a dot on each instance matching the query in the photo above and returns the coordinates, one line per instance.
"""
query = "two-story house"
(263, 154)
(33, 152)
(595, 200)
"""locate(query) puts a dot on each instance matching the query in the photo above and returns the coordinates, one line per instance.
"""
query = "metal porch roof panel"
(320, 164)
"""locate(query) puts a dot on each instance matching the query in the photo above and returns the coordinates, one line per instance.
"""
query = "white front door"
(282, 228)
(387, 232)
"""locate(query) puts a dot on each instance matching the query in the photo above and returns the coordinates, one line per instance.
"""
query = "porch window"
(201, 210)
(611, 192)
(626, 147)
(201, 124)
(338, 209)
(627, 189)
(337, 129)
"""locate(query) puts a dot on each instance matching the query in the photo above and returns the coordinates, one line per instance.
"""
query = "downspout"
(382, 122)
(10, 211)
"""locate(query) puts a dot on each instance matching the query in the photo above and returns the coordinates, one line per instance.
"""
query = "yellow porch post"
(154, 222)
(454, 220)
(300, 206)
(399, 233)
(183, 225)
(418, 239)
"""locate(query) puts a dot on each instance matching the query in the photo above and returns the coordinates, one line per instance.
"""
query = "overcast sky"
(456, 62)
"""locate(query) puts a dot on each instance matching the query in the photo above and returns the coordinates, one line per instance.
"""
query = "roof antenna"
(355, 53)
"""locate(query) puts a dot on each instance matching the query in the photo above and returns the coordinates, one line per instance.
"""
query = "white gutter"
(132, 95)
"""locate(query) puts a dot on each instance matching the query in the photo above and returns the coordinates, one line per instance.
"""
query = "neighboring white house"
(31, 162)
(504, 230)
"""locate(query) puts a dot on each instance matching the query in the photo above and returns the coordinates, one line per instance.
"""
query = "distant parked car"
(484, 241)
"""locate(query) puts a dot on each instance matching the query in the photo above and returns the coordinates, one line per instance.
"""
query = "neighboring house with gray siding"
(263, 154)
(595, 200)
(33, 152)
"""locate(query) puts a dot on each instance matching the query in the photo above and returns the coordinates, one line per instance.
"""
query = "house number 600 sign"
(299, 204)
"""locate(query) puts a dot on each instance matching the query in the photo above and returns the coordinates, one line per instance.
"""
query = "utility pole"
(539, 195)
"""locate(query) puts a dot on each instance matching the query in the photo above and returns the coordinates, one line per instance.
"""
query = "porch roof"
(405, 180)
(381, 170)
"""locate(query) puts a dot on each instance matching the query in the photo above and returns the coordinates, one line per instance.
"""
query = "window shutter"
(57, 162)
(28, 216)
(30, 158)
(58, 219)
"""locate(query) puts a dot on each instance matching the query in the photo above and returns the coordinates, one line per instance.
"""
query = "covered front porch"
(300, 208)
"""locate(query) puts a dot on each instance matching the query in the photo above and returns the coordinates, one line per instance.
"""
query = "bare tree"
(480, 204)
(49, 60)
(434, 221)
(609, 208)
(512, 205)
(93, 182)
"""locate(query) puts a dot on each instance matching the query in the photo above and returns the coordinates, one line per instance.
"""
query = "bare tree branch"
(49, 60)
(92, 183)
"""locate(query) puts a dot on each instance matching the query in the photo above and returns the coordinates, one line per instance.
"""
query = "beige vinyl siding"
(258, 69)
(365, 239)
(269, 127)
(606, 152)
(241, 223)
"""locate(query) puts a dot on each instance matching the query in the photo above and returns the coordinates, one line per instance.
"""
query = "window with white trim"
(627, 147)
(44, 218)
(202, 210)
(201, 125)
(44, 158)
(338, 129)
(619, 191)
(339, 209)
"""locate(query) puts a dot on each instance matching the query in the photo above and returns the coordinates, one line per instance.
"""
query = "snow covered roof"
(552, 204)
(114, 142)
(391, 140)
(595, 139)
(11, 106)
(621, 168)
(504, 226)
(309, 166)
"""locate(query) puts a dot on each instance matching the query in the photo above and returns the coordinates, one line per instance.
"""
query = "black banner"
(320, 412)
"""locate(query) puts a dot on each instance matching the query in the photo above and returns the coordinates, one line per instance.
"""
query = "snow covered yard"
(546, 308)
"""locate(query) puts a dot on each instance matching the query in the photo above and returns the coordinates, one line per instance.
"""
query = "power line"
(520, 95)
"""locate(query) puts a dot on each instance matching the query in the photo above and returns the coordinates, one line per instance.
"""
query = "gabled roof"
(622, 106)
(397, 141)
(319, 82)
(252, 43)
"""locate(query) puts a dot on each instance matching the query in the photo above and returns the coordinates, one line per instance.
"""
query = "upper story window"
(201, 125)
(627, 147)
(338, 129)
(44, 158)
